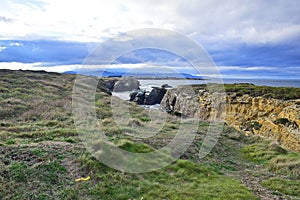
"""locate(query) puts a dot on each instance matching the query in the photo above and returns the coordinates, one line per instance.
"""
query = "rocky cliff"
(272, 118)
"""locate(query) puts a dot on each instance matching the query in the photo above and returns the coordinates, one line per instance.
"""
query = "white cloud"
(15, 44)
(243, 68)
(36, 66)
(92, 20)
(2, 48)
(239, 71)
(63, 68)
(140, 67)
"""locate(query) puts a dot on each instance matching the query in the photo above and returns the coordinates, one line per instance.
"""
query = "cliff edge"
(255, 112)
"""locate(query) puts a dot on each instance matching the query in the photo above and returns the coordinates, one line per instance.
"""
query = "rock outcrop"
(181, 101)
(122, 84)
(138, 96)
(154, 97)
(271, 118)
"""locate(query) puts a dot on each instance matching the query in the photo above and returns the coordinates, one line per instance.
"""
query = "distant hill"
(123, 73)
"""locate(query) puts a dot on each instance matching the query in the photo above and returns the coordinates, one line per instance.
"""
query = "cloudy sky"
(245, 39)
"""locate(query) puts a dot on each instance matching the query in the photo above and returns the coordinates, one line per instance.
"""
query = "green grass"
(287, 165)
(40, 172)
(181, 180)
(135, 147)
(288, 187)
(276, 159)
(285, 93)
(266, 91)
(261, 152)
(41, 154)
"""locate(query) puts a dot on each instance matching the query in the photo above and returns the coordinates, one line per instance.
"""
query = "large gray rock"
(126, 84)
(155, 96)
(180, 101)
(138, 96)
(110, 84)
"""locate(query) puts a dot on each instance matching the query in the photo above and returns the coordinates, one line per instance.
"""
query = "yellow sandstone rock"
(275, 119)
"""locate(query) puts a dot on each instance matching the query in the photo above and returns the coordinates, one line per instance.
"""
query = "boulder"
(155, 96)
(138, 96)
(110, 84)
(126, 84)
(133, 94)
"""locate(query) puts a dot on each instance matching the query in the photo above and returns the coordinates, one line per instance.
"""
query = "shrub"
(252, 125)
(283, 121)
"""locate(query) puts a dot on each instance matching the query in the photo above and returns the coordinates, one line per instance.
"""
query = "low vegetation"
(42, 156)
(255, 91)
(284, 166)
(290, 187)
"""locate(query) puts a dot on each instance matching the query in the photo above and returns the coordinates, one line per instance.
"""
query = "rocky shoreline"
(252, 113)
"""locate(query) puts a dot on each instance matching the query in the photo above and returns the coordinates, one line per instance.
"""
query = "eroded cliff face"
(276, 119)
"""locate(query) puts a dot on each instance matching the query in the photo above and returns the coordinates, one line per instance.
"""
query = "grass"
(255, 91)
(288, 187)
(181, 180)
(32, 172)
(41, 154)
(276, 159)
(46, 176)
(260, 152)
(287, 165)
(135, 147)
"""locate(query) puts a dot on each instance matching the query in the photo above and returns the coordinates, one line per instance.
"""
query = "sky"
(245, 39)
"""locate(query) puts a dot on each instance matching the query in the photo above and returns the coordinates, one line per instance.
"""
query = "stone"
(155, 96)
(138, 96)
(126, 84)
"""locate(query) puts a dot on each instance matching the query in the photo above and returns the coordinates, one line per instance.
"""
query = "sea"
(148, 84)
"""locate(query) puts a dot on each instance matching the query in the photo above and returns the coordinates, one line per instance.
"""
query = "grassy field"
(42, 155)
(285, 93)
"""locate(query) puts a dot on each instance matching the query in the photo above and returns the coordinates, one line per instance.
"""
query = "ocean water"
(147, 84)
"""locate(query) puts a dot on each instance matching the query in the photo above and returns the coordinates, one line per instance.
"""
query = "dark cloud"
(44, 51)
(280, 60)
